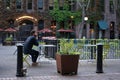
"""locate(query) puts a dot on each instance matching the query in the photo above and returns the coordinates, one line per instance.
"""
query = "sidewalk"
(46, 70)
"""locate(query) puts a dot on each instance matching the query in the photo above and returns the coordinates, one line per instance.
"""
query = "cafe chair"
(25, 59)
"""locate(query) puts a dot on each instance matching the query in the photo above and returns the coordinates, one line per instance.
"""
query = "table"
(93, 48)
(43, 46)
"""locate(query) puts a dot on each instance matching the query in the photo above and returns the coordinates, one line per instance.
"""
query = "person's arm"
(36, 42)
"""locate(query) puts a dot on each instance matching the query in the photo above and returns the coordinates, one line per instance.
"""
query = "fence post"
(93, 48)
(99, 58)
(19, 60)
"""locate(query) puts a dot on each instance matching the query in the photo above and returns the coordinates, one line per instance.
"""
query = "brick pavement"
(114, 76)
(47, 71)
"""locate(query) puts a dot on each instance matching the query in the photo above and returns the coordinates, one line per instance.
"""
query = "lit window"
(40, 4)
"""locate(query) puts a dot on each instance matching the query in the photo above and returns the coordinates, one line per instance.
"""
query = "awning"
(10, 30)
(102, 24)
(64, 30)
(45, 30)
(1, 29)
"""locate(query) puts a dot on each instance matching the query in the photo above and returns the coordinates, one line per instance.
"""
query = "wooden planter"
(8, 43)
(67, 64)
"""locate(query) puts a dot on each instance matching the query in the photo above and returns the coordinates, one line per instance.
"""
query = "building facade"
(26, 15)
(109, 14)
(106, 15)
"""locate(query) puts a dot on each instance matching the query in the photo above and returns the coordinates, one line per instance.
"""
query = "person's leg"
(34, 55)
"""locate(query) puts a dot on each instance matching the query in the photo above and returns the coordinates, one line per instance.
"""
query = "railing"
(111, 48)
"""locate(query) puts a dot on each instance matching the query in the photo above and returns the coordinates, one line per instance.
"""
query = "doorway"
(24, 30)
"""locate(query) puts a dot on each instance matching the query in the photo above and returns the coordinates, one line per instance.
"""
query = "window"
(18, 4)
(11, 22)
(61, 3)
(8, 4)
(111, 6)
(51, 3)
(112, 33)
(102, 5)
(40, 24)
(118, 4)
(71, 5)
(40, 4)
(92, 4)
(29, 4)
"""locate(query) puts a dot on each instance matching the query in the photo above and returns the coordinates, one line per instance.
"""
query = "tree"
(65, 14)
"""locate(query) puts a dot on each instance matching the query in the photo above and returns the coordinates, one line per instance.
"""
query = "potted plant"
(67, 58)
(8, 41)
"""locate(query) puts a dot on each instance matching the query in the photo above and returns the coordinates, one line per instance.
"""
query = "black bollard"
(99, 58)
(19, 61)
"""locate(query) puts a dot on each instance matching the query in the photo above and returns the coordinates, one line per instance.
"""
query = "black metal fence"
(111, 48)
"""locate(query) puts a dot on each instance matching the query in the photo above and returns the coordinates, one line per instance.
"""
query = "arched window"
(40, 4)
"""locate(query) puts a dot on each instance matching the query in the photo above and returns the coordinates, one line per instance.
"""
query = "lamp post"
(84, 27)
(85, 18)
(84, 4)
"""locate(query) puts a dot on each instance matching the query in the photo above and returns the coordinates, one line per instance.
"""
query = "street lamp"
(84, 4)
(71, 17)
(85, 18)
(85, 25)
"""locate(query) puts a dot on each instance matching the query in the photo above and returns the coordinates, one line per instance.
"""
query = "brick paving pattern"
(46, 70)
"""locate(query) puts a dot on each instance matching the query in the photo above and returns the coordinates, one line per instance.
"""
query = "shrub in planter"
(67, 58)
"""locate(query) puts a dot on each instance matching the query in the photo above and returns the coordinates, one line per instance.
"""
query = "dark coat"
(30, 41)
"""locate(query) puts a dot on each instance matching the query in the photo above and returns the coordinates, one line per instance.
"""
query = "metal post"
(93, 48)
(99, 59)
(19, 61)
(92, 52)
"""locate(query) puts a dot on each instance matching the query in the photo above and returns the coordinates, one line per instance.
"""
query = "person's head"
(33, 33)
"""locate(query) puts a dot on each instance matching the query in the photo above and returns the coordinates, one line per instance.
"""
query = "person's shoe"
(34, 64)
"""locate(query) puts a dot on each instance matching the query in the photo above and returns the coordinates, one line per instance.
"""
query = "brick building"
(25, 15)
(107, 11)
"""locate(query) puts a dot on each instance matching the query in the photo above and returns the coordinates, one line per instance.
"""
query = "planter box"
(67, 64)
(5, 43)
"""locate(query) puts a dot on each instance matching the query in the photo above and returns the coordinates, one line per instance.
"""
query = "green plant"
(65, 14)
(68, 47)
(9, 39)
